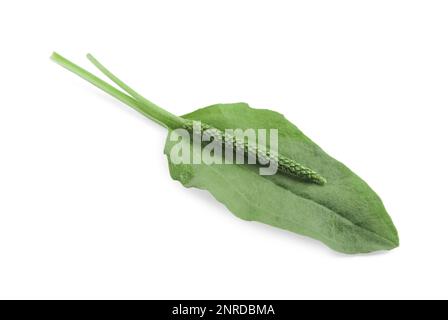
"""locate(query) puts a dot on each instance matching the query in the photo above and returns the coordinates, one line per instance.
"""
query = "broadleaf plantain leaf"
(345, 213)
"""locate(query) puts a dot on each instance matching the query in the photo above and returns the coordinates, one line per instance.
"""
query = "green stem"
(145, 107)
(171, 119)
(163, 117)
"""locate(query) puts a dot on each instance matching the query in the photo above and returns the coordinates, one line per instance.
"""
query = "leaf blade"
(345, 214)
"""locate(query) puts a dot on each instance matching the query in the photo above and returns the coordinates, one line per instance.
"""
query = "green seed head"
(285, 164)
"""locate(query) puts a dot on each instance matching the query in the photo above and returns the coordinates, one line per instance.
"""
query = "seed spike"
(171, 121)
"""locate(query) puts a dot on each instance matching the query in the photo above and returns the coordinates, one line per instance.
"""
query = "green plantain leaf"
(345, 213)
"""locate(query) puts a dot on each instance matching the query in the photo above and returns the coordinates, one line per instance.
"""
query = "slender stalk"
(145, 107)
(172, 120)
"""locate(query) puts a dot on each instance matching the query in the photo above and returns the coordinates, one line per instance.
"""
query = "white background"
(87, 206)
